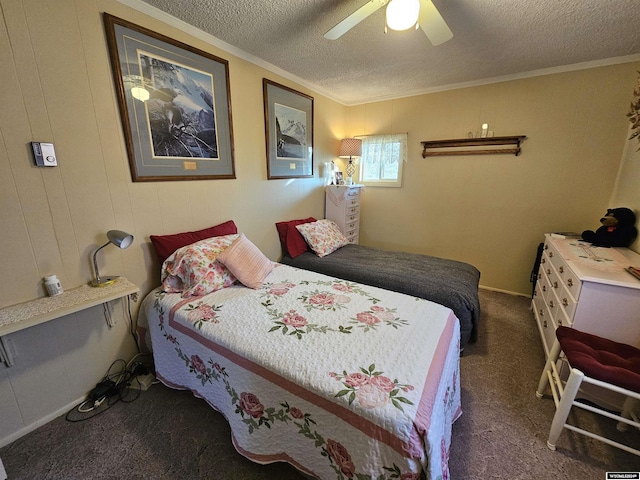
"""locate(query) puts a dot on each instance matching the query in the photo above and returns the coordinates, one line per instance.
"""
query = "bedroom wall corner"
(492, 210)
(627, 191)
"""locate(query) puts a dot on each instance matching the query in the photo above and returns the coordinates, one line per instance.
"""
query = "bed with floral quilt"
(340, 379)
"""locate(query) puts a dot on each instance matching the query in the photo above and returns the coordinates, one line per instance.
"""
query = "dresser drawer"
(353, 211)
(557, 311)
(545, 324)
(566, 300)
(350, 227)
(565, 274)
(353, 193)
(353, 201)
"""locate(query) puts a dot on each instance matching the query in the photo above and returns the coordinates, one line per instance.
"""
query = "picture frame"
(175, 105)
(339, 178)
(288, 122)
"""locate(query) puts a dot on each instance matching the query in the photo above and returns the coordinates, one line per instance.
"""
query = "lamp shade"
(119, 238)
(350, 147)
(402, 14)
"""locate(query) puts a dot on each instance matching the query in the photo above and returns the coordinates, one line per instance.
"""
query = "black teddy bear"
(617, 230)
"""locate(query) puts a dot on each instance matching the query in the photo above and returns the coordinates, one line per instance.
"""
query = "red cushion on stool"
(600, 358)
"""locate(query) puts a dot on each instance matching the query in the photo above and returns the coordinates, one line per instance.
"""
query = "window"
(382, 159)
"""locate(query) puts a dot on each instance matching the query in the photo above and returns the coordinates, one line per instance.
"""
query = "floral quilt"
(339, 379)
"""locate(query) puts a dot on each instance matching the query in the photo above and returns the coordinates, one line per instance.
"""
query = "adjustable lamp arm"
(95, 262)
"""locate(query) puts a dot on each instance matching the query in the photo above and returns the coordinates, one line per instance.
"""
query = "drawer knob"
(541, 312)
(544, 288)
(559, 322)
(535, 292)
(544, 324)
(544, 260)
(548, 271)
(565, 302)
(550, 254)
(561, 269)
(546, 247)
(555, 284)
(551, 304)
(570, 282)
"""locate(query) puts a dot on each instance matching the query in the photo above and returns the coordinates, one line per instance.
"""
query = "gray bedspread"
(447, 282)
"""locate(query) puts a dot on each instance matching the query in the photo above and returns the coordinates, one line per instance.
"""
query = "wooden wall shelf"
(472, 142)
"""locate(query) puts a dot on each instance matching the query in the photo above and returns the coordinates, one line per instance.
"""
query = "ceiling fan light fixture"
(402, 14)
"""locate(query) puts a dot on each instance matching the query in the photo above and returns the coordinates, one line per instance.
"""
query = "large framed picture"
(175, 105)
(288, 122)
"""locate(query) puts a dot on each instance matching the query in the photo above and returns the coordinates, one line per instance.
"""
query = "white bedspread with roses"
(340, 379)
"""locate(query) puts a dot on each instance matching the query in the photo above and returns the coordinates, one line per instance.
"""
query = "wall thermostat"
(44, 154)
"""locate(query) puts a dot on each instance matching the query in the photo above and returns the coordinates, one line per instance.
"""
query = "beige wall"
(627, 191)
(57, 87)
(492, 210)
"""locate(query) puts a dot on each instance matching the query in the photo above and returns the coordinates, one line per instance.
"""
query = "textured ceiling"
(493, 40)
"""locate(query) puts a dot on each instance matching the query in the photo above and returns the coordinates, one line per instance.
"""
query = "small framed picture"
(339, 178)
(288, 120)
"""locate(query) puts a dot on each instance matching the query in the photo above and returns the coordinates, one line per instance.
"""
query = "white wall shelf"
(24, 315)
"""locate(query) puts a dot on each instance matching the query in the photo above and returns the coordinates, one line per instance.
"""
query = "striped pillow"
(246, 262)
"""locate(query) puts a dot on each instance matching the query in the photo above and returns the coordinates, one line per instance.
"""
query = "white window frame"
(381, 141)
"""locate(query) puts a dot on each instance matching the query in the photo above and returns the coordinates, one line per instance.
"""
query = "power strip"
(143, 382)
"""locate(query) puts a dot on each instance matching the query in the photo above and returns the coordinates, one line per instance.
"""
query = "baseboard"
(508, 292)
(38, 423)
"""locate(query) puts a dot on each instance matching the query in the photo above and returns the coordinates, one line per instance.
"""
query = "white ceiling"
(493, 40)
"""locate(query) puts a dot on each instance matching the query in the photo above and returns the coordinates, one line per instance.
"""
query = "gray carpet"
(169, 434)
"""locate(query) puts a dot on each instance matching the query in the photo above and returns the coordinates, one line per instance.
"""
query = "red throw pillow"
(165, 245)
(292, 242)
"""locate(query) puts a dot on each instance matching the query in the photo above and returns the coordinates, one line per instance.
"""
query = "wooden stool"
(598, 361)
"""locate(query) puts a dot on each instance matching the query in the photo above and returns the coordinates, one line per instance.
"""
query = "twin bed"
(338, 378)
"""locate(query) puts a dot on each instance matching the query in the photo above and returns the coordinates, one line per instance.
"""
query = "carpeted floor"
(167, 434)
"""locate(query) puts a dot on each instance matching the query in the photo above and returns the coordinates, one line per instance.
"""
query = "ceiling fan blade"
(355, 18)
(433, 24)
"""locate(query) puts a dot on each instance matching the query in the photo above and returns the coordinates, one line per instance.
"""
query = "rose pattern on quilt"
(343, 286)
(371, 389)
(317, 300)
(449, 395)
(275, 290)
(201, 312)
(293, 323)
(255, 415)
(444, 455)
(376, 315)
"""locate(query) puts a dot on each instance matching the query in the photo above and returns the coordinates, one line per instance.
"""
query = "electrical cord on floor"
(131, 328)
(117, 385)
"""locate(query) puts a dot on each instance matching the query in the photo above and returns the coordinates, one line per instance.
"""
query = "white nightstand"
(342, 204)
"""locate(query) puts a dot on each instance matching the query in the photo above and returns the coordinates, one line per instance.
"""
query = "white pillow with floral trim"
(323, 236)
(193, 270)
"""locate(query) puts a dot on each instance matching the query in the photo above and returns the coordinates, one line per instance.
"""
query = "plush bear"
(618, 229)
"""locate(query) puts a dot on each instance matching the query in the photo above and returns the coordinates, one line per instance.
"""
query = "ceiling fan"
(401, 15)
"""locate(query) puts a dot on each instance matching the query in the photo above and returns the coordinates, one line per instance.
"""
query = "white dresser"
(342, 205)
(586, 287)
